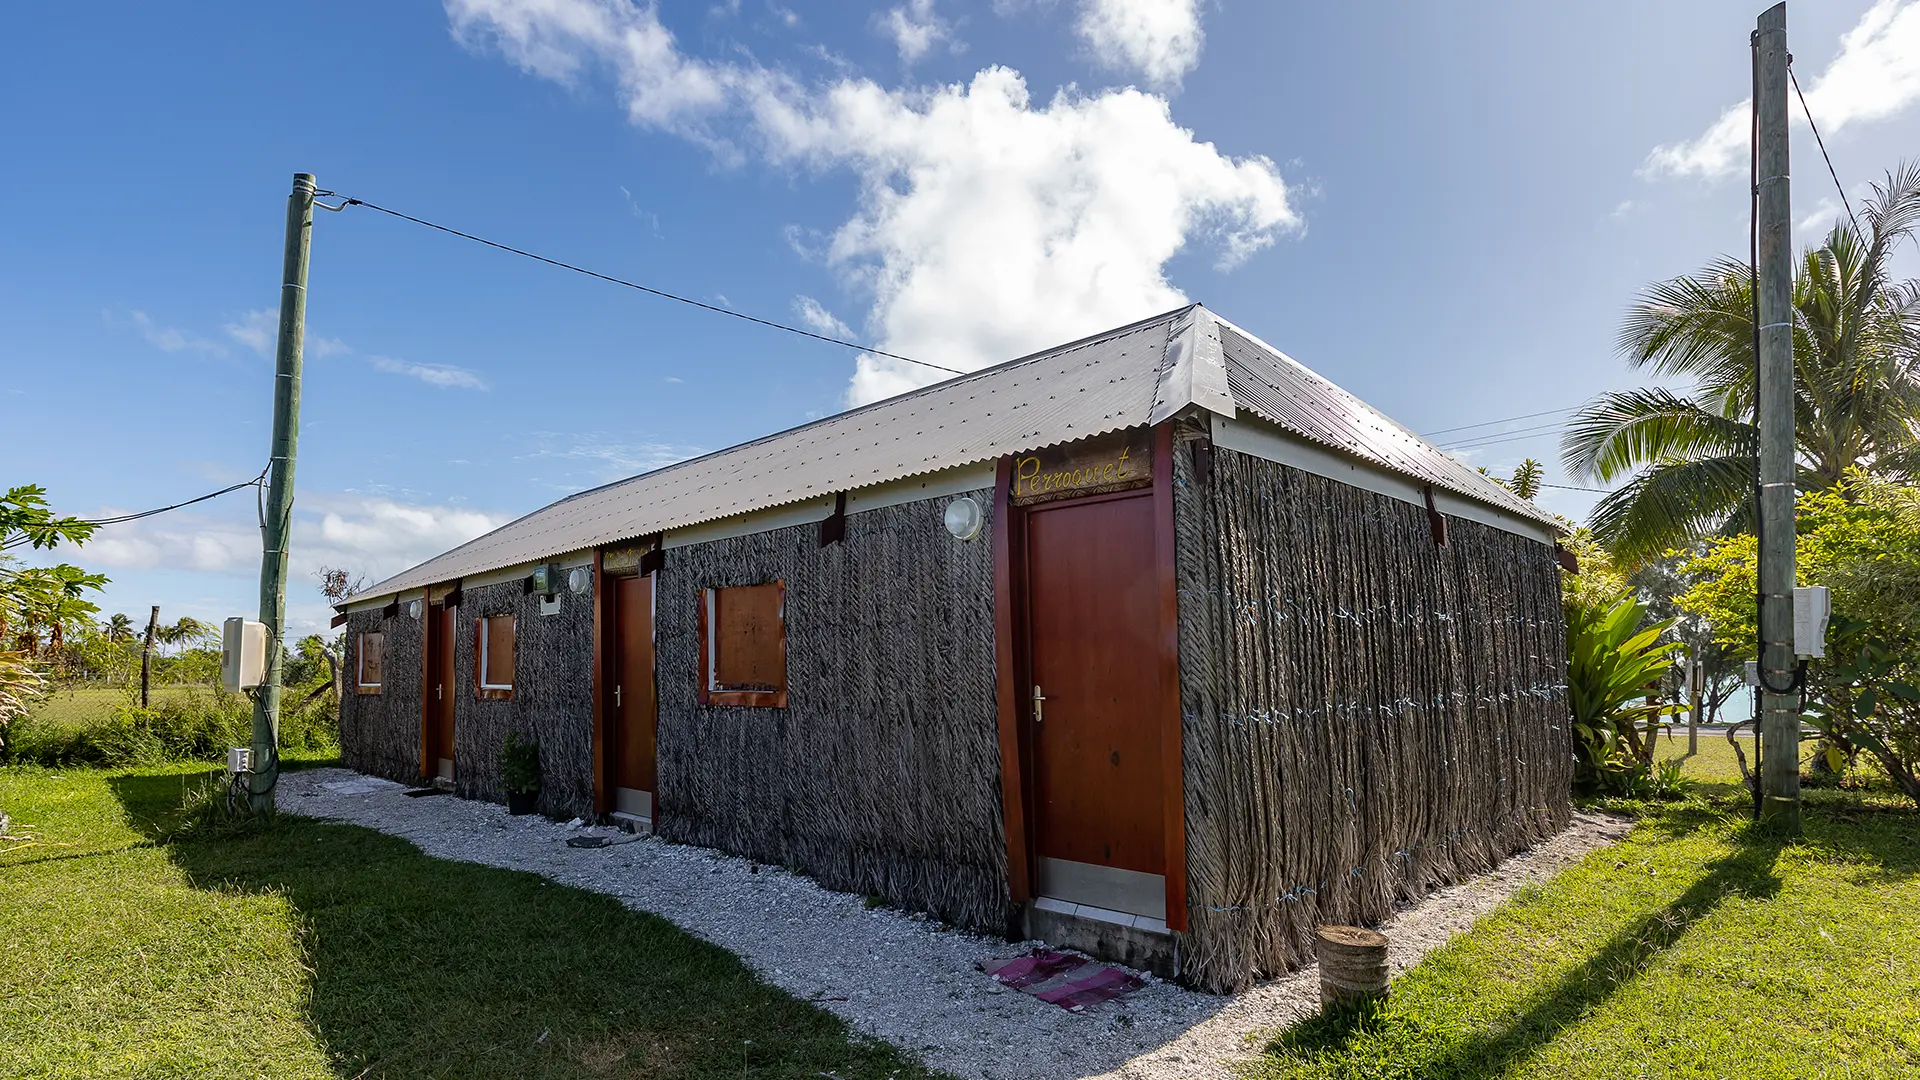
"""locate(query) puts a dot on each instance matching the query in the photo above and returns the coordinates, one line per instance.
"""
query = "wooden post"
(1353, 967)
(1696, 687)
(146, 653)
(277, 526)
(1779, 702)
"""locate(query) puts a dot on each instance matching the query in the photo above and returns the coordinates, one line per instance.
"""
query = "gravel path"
(904, 978)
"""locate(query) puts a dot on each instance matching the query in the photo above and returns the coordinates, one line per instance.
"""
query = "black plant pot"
(521, 802)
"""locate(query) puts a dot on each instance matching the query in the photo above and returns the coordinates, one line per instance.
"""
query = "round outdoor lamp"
(579, 580)
(964, 518)
(413, 609)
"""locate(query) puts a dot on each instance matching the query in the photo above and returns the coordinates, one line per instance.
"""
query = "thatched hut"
(1154, 644)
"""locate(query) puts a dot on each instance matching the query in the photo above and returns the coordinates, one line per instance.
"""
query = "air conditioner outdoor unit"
(243, 653)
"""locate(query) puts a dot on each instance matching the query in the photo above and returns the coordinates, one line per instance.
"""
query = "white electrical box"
(239, 759)
(1752, 672)
(1812, 605)
(243, 653)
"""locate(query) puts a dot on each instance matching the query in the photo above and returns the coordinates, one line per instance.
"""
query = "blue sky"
(1445, 211)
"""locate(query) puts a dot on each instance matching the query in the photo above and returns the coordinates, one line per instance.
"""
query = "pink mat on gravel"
(1071, 982)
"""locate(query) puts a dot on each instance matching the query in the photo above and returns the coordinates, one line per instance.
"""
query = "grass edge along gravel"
(1698, 947)
(320, 949)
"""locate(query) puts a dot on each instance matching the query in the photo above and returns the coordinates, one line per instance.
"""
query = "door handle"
(616, 697)
(439, 691)
(1038, 698)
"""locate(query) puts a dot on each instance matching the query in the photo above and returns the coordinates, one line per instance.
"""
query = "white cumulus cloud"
(989, 224)
(1875, 76)
(1158, 39)
(374, 535)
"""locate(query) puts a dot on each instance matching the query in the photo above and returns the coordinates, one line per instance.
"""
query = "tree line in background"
(1669, 561)
(52, 642)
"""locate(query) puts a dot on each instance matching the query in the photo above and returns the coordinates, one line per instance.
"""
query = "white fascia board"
(475, 581)
(954, 481)
(362, 603)
(1251, 435)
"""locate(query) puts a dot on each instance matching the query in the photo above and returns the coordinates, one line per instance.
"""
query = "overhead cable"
(1491, 423)
(662, 293)
(122, 519)
(1822, 143)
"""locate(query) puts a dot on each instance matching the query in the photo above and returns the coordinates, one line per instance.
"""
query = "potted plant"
(520, 768)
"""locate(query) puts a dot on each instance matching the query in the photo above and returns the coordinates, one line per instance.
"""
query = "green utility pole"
(1779, 701)
(277, 525)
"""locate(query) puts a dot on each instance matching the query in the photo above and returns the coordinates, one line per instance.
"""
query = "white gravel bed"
(908, 979)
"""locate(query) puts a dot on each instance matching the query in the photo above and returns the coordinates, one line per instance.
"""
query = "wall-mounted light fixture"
(413, 608)
(579, 580)
(964, 518)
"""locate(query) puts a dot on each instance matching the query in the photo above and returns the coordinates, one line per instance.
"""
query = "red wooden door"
(443, 688)
(634, 710)
(1094, 640)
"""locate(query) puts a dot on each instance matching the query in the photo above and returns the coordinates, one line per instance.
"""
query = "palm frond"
(1673, 503)
(1619, 432)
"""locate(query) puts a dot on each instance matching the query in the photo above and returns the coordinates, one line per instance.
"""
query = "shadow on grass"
(425, 967)
(1747, 871)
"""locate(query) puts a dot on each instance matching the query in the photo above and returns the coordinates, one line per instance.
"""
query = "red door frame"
(603, 714)
(1011, 667)
(429, 619)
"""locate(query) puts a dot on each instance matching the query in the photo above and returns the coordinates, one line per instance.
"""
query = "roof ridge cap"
(1193, 367)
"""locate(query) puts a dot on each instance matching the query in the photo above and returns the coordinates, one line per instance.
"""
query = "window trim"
(360, 685)
(483, 689)
(709, 694)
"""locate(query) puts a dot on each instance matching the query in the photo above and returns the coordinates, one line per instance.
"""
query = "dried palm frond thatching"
(882, 776)
(1366, 715)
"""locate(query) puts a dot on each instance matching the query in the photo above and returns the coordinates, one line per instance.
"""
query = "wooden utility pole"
(278, 524)
(1779, 703)
(146, 653)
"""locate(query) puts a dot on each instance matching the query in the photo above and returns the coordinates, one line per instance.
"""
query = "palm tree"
(1527, 478)
(186, 631)
(1692, 455)
(117, 630)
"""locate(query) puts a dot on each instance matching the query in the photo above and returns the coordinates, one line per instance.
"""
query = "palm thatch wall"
(1366, 716)
(882, 776)
(552, 698)
(380, 733)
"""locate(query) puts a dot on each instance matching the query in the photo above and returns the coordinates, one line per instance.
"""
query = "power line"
(124, 518)
(1572, 487)
(1822, 143)
(643, 288)
(1495, 442)
(1504, 436)
(1490, 423)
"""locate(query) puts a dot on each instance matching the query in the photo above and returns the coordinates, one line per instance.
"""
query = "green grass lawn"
(74, 706)
(311, 949)
(1695, 948)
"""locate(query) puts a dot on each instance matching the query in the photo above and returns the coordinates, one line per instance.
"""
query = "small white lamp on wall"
(964, 518)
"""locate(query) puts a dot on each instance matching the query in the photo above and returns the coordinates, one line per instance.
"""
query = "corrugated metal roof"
(1099, 384)
(1070, 392)
(1280, 389)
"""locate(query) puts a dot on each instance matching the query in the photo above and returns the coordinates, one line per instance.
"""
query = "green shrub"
(1612, 658)
(520, 764)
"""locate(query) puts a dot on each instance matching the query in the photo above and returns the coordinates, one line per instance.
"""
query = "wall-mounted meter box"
(243, 653)
(1812, 606)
